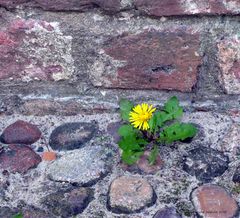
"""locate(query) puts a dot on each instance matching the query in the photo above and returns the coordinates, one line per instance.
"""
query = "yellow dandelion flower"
(140, 115)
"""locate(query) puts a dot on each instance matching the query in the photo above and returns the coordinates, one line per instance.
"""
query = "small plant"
(19, 215)
(145, 128)
(236, 189)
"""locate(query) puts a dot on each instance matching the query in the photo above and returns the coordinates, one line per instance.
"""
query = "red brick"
(187, 7)
(151, 60)
(229, 63)
(25, 48)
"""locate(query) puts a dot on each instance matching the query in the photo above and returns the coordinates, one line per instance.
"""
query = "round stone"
(205, 163)
(7, 212)
(21, 132)
(32, 212)
(211, 201)
(18, 158)
(112, 130)
(130, 194)
(68, 203)
(167, 213)
(144, 166)
(83, 166)
(71, 136)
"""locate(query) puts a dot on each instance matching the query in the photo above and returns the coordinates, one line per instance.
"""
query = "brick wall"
(69, 57)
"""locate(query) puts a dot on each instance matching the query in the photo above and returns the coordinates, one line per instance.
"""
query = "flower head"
(140, 115)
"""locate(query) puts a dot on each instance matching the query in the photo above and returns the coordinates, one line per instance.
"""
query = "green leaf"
(129, 143)
(158, 119)
(126, 130)
(125, 108)
(162, 117)
(173, 108)
(130, 157)
(177, 131)
(130, 140)
(153, 155)
(19, 215)
(153, 123)
(142, 142)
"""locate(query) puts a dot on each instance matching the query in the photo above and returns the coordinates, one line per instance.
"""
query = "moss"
(178, 188)
(185, 208)
(236, 189)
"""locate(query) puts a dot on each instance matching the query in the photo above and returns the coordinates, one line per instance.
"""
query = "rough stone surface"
(185, 208)
(205, 163)
(236, 176)
(3, 187)
(71, 136)
(18, 158)
(7, 212)
(60, 66)
(34, 50)
(150, 7)
(167, 213)
(187, 7)
(32, 212)
(61, 5)
(172, 186)
(21, 132)
(130, 194)
(231, 141)
(212, 127)
(84, 166)
(213, 201)
(229, 62)
(142, 166)
(68, 203)
(112, 129)
(143, 61)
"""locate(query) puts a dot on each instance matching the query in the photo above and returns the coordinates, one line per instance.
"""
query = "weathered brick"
(149, 60)
(229, 63)
(187, 7)
(34, 50)
(64, 5)
(12, 4)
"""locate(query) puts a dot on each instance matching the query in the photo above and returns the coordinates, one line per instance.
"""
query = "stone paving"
(65, 65)
(87, 179)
